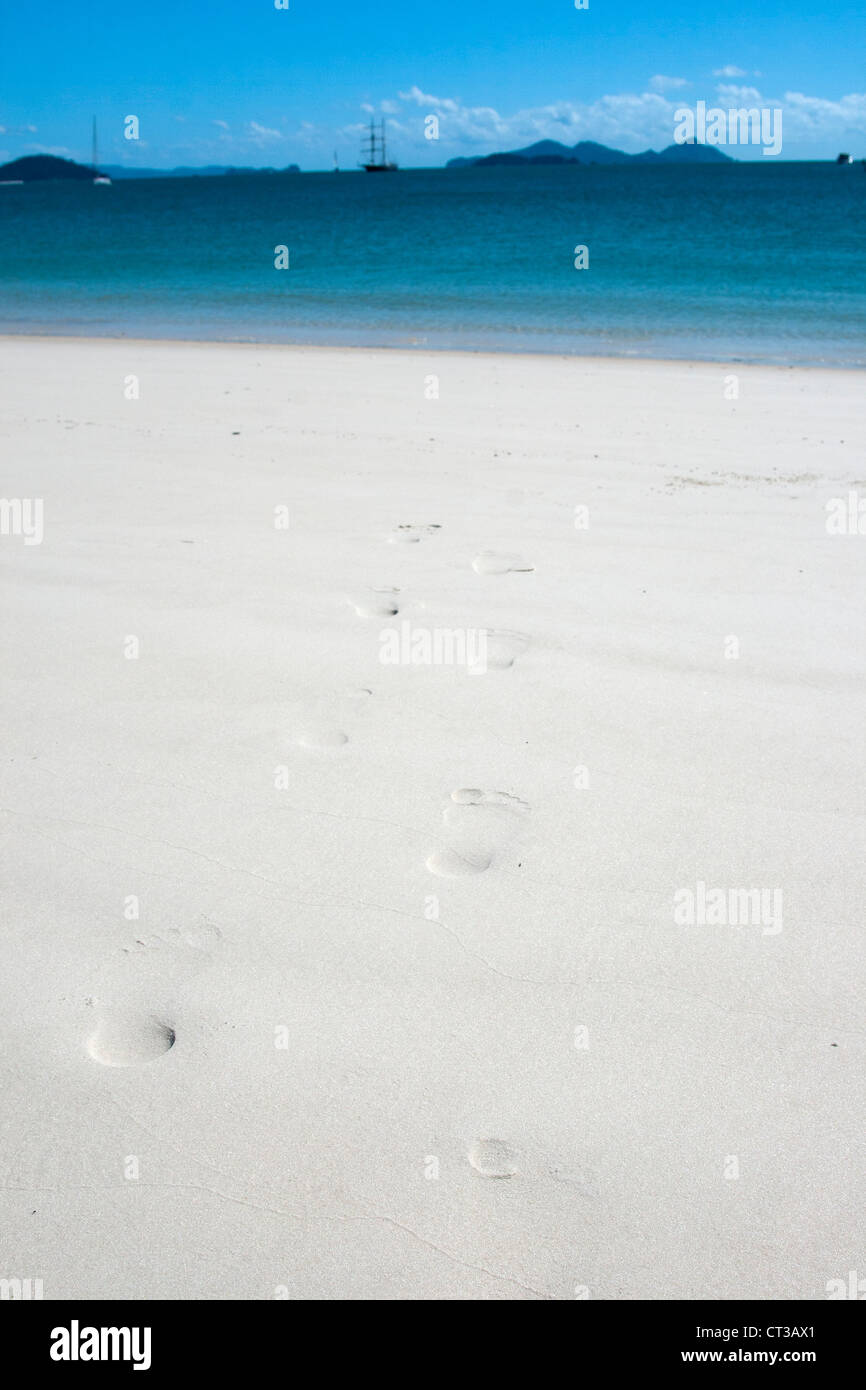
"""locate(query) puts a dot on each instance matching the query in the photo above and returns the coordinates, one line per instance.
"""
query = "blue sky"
(240, 82)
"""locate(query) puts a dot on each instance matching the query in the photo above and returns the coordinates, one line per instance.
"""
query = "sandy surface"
(285, 1017)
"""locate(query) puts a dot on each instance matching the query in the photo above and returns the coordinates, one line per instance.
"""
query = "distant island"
(32, 168)
(125, 171)
(589, 152)
(36, 167)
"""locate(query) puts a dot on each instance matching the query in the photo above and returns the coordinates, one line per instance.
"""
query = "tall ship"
(374, 155)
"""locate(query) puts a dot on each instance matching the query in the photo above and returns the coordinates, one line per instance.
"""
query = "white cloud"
(635, 120)
(813, 125)
(223, 125)
(627, 120)
(440, 103)
(814, 115)
(730, 71)
(665, 84)
(728, 92)
(262, 134)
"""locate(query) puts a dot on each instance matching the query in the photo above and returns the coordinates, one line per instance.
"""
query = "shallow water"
(760, 261)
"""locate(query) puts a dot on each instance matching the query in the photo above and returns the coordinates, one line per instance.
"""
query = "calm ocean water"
(759, 261)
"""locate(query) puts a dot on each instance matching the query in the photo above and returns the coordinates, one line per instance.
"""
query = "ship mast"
(375, 147)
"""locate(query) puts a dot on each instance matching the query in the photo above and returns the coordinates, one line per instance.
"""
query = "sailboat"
(97, 177)
(374, 157)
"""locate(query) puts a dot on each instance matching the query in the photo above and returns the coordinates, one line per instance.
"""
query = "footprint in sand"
(320, 729)
(377, 603)
(503, 648)
(489, 562)
(481, 825)
(408, 533)
(453, 863)
(493, 1158)
(129, 1040)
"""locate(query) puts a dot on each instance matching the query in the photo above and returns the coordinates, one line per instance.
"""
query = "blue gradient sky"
(244, 83)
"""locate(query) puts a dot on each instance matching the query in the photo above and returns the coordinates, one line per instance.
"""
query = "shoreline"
(414, 350)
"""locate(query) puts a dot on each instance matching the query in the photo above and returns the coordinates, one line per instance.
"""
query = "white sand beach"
(329, 977)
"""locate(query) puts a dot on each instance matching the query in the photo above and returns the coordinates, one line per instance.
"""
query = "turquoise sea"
(759, 261)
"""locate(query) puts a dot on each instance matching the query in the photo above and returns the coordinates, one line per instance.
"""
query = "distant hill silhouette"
(32, 167)
(589, 152)
(44, 166)
(127, 171)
